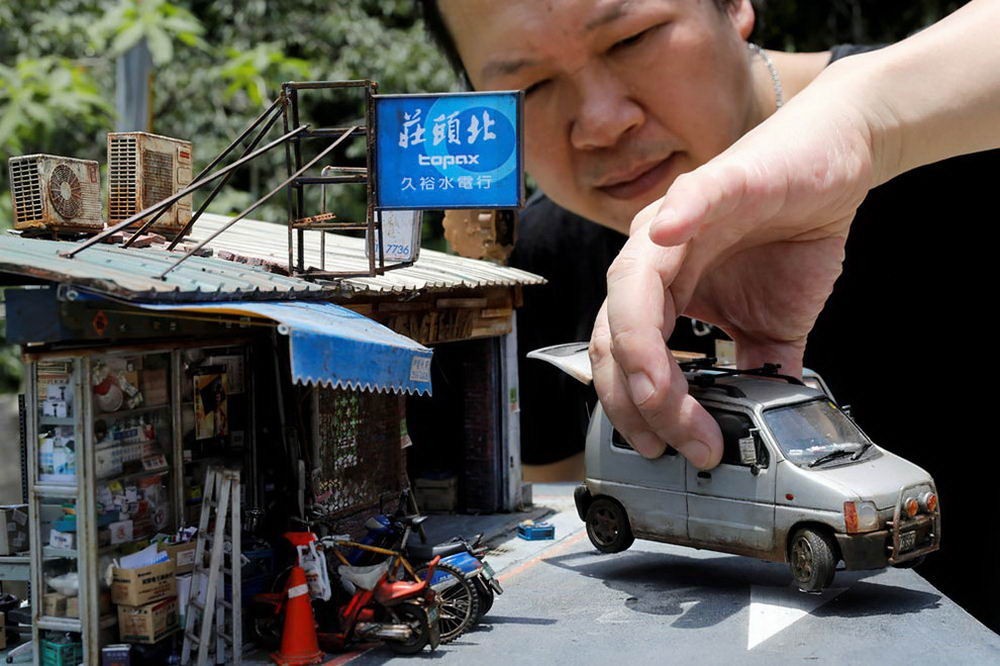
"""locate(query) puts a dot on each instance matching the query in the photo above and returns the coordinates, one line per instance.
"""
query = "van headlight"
(860, 517)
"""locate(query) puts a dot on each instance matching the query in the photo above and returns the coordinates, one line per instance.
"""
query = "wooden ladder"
(205, 622)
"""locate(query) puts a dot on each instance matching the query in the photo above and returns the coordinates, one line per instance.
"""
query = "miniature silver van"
(799, 482)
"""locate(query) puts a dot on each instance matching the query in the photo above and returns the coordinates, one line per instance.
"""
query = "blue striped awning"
(332, 346)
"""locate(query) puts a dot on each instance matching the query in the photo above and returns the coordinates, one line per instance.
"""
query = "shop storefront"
(134, 388)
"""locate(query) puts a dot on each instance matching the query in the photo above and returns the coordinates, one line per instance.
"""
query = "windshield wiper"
(861, 451)
(833, 455)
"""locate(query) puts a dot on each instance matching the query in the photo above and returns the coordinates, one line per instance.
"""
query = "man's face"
(622, 96)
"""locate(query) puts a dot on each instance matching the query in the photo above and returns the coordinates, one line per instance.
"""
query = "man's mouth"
(639, 180)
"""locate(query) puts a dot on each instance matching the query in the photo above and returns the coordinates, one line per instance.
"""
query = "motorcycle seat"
(364, 577)
(424, 552)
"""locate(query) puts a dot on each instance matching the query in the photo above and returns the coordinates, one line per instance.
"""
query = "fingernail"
(641, 387)
(696, 451)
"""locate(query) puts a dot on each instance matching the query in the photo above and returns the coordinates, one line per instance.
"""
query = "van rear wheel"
(812, 560)
(607, 526)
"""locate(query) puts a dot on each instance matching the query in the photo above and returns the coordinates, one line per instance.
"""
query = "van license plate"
(907, 540)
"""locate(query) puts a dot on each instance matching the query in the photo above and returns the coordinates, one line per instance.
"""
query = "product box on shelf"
(121, 531)
(148, 623)
(181, 554)
(109, 460)
(13, 528)
(119, 654)
(138, 587)
(54, 604)
(59, 539)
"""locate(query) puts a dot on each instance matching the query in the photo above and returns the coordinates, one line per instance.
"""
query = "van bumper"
(872, 550)
(864, 551)
(582, 498)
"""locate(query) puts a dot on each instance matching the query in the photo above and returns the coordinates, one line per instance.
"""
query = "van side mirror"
(748, 451)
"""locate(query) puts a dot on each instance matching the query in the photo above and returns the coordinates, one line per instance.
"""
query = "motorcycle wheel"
(486, 596)
(459, 600)
(415, 616)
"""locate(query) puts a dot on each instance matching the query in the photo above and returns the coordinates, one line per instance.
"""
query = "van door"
(652, 491)
(730, 506)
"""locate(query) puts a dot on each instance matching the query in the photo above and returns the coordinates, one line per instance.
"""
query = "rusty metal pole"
(326, 151)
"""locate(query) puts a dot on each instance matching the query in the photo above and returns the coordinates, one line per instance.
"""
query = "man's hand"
(752, 242)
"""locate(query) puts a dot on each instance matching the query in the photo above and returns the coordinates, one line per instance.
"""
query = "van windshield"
(812, 434)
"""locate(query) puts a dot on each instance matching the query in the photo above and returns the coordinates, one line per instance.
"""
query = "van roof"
(748, 391)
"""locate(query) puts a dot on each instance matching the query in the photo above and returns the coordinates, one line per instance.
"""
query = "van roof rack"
(708, 379)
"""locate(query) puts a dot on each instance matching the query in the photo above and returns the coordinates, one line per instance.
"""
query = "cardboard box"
(138, 587)
(13, 528)
(149, 623)
(181, 554)
(54, 604)
(73, 607)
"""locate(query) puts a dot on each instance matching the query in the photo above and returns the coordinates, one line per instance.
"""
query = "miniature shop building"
(465, 452)
(135, 384)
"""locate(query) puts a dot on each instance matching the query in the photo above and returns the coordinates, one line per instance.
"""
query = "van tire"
(813, 560)
(607, 526)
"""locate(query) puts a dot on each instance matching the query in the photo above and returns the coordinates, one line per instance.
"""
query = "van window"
(620, 442)
(734, 427)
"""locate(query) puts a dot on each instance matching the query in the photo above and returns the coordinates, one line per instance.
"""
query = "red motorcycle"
(401, 613)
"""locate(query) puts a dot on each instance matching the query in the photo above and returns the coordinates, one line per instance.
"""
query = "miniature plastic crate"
(536, 531)
(61, 654)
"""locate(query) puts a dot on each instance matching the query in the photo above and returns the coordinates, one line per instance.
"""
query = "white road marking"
(773, 609)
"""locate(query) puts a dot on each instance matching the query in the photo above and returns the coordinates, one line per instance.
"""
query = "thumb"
(702, 197)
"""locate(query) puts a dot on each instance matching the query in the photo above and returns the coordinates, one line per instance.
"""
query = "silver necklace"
(779, 93)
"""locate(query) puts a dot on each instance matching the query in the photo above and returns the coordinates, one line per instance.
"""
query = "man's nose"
(604, 110)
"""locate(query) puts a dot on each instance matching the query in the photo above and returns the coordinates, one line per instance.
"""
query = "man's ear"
(742, 16)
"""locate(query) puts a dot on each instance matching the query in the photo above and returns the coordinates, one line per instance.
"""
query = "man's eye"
(633, 39)
(534, 87)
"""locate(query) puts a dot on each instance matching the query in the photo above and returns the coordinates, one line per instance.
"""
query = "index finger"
(641, 316)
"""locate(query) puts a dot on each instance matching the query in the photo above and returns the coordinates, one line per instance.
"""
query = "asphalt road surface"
(564, 603)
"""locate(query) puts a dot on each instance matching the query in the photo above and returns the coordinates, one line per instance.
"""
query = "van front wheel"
(607, 526)
(812, 560)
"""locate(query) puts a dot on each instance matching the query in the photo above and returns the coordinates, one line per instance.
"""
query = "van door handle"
(704, 475)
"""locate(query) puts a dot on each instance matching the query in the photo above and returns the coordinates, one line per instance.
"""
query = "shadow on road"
(702, 592)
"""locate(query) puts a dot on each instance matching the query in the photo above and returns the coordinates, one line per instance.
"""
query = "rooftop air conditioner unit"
(54, 193)
(144, 169)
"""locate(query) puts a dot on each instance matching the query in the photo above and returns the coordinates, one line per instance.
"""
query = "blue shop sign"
(457, 150)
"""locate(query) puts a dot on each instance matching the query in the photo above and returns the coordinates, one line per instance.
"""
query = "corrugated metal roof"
(436, 271)
(133, 274)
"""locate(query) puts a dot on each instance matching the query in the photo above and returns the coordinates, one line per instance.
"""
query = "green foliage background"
(218, 61)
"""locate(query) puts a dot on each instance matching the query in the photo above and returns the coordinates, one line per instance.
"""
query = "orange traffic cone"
(298, 637)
